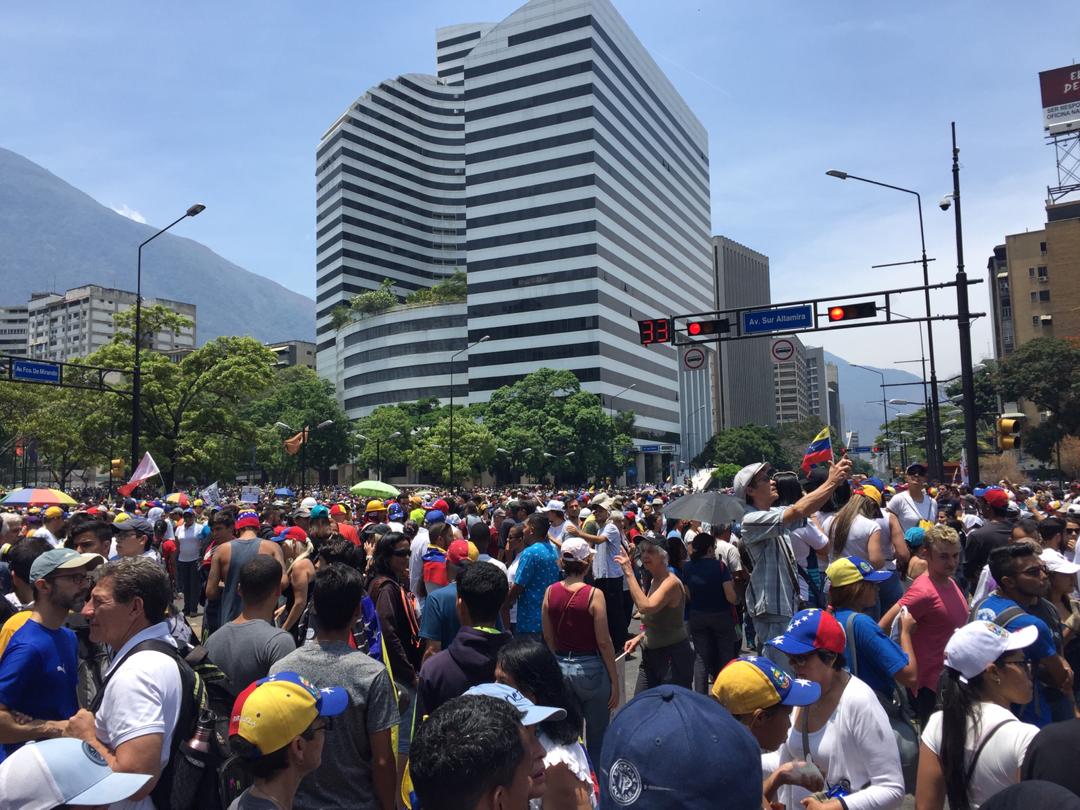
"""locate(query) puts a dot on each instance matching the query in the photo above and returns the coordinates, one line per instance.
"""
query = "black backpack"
(194, 778)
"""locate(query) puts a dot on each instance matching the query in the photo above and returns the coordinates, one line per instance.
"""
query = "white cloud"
(124, 211)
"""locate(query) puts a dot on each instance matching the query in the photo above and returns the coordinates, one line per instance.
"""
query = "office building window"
(1042, 248)
(1035, 320)
(1044, 295)
(1031, 272)
(1034, 296)
(1043, 273)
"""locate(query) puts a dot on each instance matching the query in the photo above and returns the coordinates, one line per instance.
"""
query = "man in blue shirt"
(39, 670)
(1022, 582)
(538, 569)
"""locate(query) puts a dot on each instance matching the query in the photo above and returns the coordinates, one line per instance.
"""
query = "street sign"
(35, 371)
(862, 449)
(650, 448)
(782, 349)
(694, 359)
(761, 321)
(667, 448)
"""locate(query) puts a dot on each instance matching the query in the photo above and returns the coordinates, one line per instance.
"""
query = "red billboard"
(1061, 98)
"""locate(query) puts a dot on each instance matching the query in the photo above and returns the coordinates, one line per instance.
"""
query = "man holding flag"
(772, 597)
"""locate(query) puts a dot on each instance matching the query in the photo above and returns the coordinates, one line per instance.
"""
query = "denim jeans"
(187, 576)
(588, 680)
(671, 664)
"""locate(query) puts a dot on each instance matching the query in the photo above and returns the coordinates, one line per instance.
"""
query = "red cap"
(458, 551)
(441, 505)
(997, 498)
(338, 509)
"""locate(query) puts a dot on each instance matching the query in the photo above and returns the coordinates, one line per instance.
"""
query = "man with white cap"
(64, 772)
(556, 512)
(772, 596)
(39, 670)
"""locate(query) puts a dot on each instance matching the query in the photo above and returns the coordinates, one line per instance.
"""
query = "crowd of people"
(842, 642)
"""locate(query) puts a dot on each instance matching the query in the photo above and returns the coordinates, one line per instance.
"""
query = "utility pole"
(963, 326)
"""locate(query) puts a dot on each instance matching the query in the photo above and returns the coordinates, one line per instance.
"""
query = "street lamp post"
(452, 358)
(933, 441)
(378, 451)
(303, 448)
(136, 376)
(884, 411)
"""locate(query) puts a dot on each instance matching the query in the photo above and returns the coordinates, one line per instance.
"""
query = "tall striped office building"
(554, 161)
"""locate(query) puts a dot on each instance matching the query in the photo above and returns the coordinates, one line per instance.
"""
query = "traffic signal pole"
(963, 325)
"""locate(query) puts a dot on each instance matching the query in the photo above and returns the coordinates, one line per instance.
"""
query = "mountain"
(860, 396)
(54, 237)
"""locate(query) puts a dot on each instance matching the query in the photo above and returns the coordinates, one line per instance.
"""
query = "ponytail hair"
(958, 700)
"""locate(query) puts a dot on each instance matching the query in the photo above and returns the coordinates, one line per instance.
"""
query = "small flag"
(819, 450)
(147, 469)
(293, 444)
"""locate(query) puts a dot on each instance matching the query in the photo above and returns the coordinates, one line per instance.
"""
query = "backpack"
(192, 778)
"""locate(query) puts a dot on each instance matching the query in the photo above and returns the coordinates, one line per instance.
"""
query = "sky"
(150, 107)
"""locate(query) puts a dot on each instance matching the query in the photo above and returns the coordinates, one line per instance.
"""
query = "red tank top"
(574, 629)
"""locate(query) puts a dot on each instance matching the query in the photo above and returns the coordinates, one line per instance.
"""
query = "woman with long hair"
(711, 610)
(575, 628)
(1062, 585)
(809, 543)
(666, 642)
(399, 623)
(528, 666)
(846, 732)
(975, 746)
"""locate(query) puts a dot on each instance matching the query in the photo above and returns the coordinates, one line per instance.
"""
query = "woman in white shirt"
(975, 746)
(846, 733)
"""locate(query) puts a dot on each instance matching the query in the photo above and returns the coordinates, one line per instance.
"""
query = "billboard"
(1061, 98)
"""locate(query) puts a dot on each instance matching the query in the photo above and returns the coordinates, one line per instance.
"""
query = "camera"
(946, 202)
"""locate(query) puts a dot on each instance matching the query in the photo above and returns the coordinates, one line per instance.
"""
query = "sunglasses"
(79, 578)
(1023, 663)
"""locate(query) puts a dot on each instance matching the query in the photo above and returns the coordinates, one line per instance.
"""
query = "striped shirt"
(773, 587)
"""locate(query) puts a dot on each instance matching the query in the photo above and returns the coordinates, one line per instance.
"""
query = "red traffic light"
(716, 327)
(850, 312)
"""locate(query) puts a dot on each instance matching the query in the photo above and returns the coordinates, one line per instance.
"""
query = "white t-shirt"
(489, 559)
(511, 575)
(909, 512)
(417, 549)
(856, 743)
(729, 553)
(189, 540)
(858, 537)
(1001, 758)
(47, 536)
(804, 540)
(142, 698)
(555, 533)
(886, 542)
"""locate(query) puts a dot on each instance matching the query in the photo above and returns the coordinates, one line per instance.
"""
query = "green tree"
(450, 290)
(725, 473)
(1046, 373)
(298, 397)
(744, 445)
(374, 301)
(383, 438)
(474, 450)
(796, 436)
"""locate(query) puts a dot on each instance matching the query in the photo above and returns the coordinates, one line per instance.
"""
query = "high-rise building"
(70, 325)
(832, 397)
(14, 324)
(744, 388)
(792, 384)
(552, 159)
(1034, 282)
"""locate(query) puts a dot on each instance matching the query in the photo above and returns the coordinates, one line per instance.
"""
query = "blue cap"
(875, 482)
(395, 512)
(811, 630)
(673, 748)
(915, 536)
(319, 511)
(435, 516)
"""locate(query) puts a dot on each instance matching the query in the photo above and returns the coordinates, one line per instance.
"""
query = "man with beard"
(39, 670)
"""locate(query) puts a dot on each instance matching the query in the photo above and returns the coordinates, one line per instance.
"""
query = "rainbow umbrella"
(179, 498)
(33, 496)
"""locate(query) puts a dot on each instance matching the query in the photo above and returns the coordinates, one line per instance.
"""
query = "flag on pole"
(293, 444)
(819, 450)
(147, 468)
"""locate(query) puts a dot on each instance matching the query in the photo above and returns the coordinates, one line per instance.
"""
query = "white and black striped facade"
(584, 203)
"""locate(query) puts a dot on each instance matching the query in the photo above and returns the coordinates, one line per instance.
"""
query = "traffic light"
(851, 312)
(716, 327)
(117, 468)
(654, 330)
(1009, 426)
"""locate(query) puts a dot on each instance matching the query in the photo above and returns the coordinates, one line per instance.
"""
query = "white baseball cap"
(574, 548)
(977, 645)
(62, 771)
(1057, 563)
(308, 503)
(555, 506)
(531, 714)
(744, 476)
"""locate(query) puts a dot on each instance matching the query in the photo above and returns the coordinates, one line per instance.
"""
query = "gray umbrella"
(714, 508)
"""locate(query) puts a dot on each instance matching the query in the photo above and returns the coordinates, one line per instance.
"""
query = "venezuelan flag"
(820, 450)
